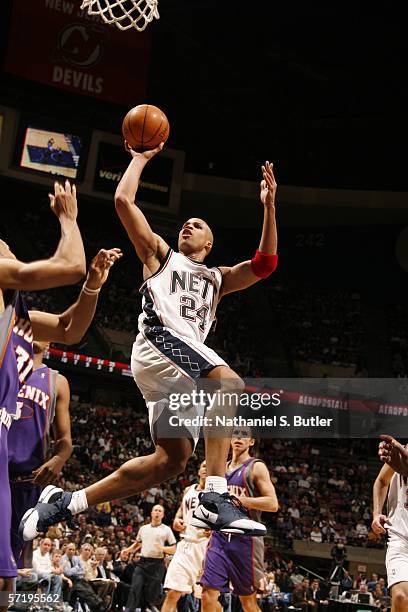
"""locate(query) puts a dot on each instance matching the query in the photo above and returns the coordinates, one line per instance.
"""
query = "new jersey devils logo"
(79, 45)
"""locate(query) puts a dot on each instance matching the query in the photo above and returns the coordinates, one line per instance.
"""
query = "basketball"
(145, 127)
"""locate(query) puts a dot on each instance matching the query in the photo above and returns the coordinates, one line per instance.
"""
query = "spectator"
(302, 596)
(316, 535)
(105, 582)
(363, 590)
(73, 568)
(45, 570)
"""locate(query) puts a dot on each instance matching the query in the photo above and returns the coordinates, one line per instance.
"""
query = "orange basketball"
(145, 127)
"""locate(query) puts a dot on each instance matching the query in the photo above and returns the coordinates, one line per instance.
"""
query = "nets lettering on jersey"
(125, 14)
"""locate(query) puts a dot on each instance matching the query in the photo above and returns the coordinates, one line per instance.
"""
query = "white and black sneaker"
(225, 513)
(51, 508)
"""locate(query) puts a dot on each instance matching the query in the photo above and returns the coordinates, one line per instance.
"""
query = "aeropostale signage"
(55, 43)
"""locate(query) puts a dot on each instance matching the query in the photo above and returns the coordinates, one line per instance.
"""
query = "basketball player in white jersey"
(180, 296)
(185, 568)
(395, 525)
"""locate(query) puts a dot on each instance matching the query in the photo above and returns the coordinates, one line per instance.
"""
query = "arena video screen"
(155, 184)
(51, 152)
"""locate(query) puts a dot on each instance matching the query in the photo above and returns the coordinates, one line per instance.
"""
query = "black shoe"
(225, 513)
(52, 507)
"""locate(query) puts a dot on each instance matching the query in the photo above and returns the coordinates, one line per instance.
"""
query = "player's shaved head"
(196, 237)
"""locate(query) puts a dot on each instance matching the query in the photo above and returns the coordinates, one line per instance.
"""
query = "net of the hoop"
(124, 14)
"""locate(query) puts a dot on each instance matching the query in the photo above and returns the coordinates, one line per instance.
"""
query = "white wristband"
(89, 291)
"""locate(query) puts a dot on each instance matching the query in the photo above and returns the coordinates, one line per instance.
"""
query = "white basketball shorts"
(186, 567)
(167, 366)
(396, 560)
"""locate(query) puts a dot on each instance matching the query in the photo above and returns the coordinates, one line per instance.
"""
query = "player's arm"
(51, 469)
(267, 500)
(70, 326)
(150, 248)
(265, 260)
(65, 267)
(178, 522)
(380, 490)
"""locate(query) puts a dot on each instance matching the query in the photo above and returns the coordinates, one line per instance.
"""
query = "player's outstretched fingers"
(67, 187)
(384, 451)
(391, 443)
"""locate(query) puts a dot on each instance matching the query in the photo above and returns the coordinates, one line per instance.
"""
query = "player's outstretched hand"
(100, 266)
(49, 472)
(64, 201)
(145, 155)
(268, 186)
(393, 454)
(378, 523)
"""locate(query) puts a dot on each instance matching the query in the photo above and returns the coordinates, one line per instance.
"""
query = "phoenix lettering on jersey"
(22, 328)
(237, 490)
(5, 418)
(36, 395)
(189, 281)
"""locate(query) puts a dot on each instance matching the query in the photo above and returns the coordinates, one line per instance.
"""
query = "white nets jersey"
(185, 568)
(191, 534)
(181, 297)
(397, 507)
(188, 505)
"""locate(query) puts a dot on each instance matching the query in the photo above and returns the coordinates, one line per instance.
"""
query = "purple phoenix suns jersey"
(240, 483)
(9, 387)
(28, 439)
(8, 369)
(15, 365)
(236, 560)
(23, 341)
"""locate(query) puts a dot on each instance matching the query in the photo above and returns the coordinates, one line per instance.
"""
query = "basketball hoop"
(125, 14)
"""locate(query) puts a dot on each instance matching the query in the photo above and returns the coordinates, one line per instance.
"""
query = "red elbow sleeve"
(263, 264)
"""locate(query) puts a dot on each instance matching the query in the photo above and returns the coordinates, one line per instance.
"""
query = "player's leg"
(399, 597)
(170, 603)
(248, 603)
(168, 460)
(209, 600)
(217, 510)
(8, 568)
(217, 448)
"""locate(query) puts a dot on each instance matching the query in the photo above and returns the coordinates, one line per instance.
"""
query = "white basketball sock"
(78, 502)
(215, 484)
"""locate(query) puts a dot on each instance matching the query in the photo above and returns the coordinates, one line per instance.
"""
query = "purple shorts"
(8, 567)
(233, 559)
(24, 495)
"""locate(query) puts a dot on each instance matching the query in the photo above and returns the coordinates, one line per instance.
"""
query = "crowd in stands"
(319, 326)
(288, 584)
(88, 572)
(323, 488)
(397, 327)
(324, 491)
